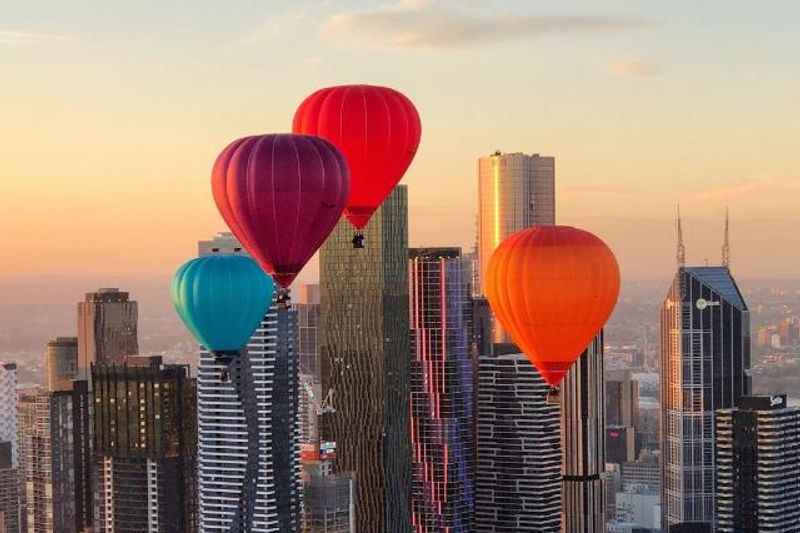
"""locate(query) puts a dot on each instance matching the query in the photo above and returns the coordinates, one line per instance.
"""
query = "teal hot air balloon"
(222, 299)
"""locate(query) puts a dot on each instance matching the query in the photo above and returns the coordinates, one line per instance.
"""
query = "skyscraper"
(705, 353)
(441, 385)
(8, 407)
(144, 444)
(329, 504)
(47, 498)
(249, 472)
(310, 394)
(758, 465)
(583, 443)
(518, 473)
(622, 416)
(61, 362)
(515, 191)
(107, 328)
(365, 355)
(9, 491)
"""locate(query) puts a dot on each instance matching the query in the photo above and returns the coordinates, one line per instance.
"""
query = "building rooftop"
(719, 279)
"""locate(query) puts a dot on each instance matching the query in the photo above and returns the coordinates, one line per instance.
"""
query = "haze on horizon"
(114, 113)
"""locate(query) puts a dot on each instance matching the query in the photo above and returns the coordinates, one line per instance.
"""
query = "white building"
(248, 434)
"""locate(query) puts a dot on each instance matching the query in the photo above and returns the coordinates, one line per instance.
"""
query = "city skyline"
(659, 124)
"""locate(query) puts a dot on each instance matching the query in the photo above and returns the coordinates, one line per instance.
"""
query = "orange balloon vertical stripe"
(552, 288)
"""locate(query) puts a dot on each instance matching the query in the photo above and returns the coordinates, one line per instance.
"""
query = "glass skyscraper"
(107, 328)
(364, 352)
(515, 191)
(705, 354)
(248, 450)
(441, 378)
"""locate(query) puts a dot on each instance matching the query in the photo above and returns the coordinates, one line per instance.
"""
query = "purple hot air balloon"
(281, 195)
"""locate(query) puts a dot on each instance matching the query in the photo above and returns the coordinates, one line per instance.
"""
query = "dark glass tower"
(583, 443)
(107, 328)
(705, 354)
(365, 356)
(441, 385)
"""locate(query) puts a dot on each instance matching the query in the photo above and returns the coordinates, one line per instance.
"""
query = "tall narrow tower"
(583, 443)
(364, 352)
(681, 253)
(705, 353)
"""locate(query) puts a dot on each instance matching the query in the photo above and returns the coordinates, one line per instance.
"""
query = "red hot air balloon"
(281, 196)
(552, 288)
(376, 128)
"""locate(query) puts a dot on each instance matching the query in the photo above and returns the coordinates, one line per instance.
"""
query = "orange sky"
(108, 138)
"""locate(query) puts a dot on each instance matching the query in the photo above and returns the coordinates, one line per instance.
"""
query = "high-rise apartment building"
(248, 449)
(145, 446)
(107, 328)
(46, 462)
(8, 407)
(515, 191)
(518, 471)
(441, 385)
(582, 395)
(705, 353)
(9, 491)
(365, 355)
(758, 466)
(61, 363)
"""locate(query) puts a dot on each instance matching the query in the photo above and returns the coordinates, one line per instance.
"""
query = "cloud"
(428, 24)
(20, 37)
(636, 68)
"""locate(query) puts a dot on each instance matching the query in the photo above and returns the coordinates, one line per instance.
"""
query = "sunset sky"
(112, 113)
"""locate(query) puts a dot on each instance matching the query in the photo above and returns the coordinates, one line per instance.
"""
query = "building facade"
(582, 395)
(61, 363)
(9, 491)
(310, 395)
(107, 328)
(145, 447)
(705, 353)
(365, 356)
(515, 191)
(758, 465)
(622, 416)
(441, 383)
(46, 459)
(248, 449)
(518, 471)
(329, 504)
(8, 407)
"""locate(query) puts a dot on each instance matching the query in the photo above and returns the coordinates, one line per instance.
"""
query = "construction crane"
(320, 408)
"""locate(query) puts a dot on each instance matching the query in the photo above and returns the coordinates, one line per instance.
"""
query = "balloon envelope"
(281, 196)
(221, 299)
(378, 131)
(552, 288)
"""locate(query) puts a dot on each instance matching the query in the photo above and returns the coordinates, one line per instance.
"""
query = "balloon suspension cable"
(283, 299)
(358, 240)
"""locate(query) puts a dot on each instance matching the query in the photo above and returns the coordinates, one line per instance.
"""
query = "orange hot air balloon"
(552, 288)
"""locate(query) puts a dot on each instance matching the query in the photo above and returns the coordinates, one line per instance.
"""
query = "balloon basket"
(358, 240)
(283, 298)
(554, 396)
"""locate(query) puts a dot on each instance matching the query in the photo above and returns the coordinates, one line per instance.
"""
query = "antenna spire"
(681, 254)
(726, 244)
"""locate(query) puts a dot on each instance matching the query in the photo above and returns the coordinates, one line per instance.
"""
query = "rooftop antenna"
(726, 244)
(681, 255)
